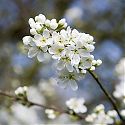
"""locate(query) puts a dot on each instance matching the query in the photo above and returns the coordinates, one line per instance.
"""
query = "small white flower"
(40, 18)
(27, 40)
(119, 92)
(65, 62)
(99, 62)
(63, 23)
(92, 68)
(99, 108)
(32, 23)
(68, 78)
(44, 39)
(40, 53)
(123, 112)
(100, 117)
(56, 50)
(77, 105)
(21, 90)
(94, 62)
(50, 113)
(47, 23)
(53, 24)
(120, 68)
(112, 113)
(58, 38)
(85, 63)
(33, 31)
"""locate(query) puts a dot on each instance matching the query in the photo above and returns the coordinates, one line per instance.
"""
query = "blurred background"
(103, 19)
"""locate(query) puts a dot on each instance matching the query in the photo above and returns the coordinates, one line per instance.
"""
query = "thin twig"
(40, 105)
(107, 94)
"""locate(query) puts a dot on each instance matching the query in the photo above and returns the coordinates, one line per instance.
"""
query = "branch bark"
(107, 95)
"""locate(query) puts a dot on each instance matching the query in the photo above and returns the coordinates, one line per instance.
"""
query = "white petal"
(83, 53)
(46, 33)
(90, 48)
(71, 54)
(60, 65)
(56, 57)
(41, 18)
(32, 52)
(45, 48)
(33, 31)
(40, 57)
(47, 22)
(62, 83)
(38, 37)
(27, 40)
(32, 23)
(52, 50)
(38, 43)
(75, 59)
(75, 33)
(69, 67)
(83, 109)
(62, 21)
(73, 84)
(63, 33)
(53, 24)
(68, 30)
(50, 41)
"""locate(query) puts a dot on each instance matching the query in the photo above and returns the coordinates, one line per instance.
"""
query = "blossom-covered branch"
(21, 97)
(70, 48)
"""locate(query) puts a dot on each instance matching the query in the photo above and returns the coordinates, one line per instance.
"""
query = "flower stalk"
(107, 95)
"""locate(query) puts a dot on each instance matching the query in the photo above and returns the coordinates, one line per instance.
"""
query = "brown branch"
(40, 105)
(107, 95)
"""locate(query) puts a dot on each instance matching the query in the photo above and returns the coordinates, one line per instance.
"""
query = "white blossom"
(120, 68)
(77, 105)
(122, 112)
(21, 90)
(44, 39)
(71, 48)
(100, 117)
(53, 24)
(64, 62)
(62, 22)
(51, 114)
(119, 92)
(40, 18)
(68, 78)
(112, 113)
(56, 51)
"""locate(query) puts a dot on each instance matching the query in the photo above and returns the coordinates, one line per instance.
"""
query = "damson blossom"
(77, 105)
(69, 78)
(100, 117)
(71, 48)
(51, 114)
(21, 91)
(119, 91)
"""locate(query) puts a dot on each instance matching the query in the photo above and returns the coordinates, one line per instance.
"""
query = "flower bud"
(53, 24)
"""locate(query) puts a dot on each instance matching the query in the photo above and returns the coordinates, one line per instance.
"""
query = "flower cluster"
(100, 117)
(76, 105)
(71, 48)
